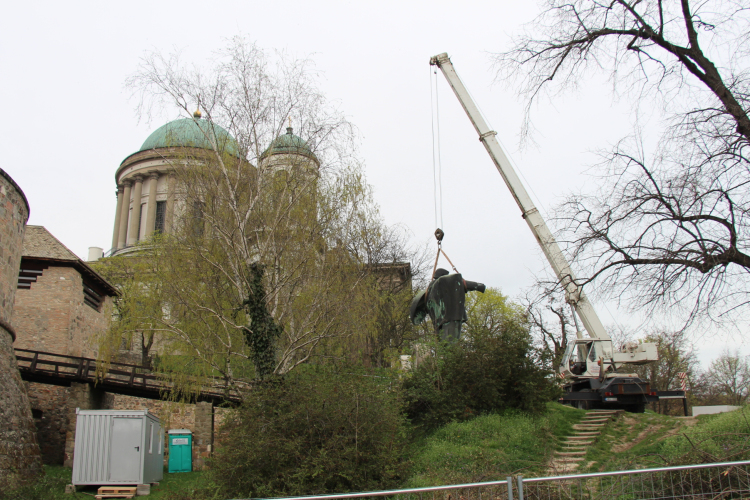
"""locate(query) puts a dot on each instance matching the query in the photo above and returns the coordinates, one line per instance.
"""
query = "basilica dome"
(189, 132)
(289, 144)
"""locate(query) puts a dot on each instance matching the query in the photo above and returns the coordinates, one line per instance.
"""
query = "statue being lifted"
(445, 302)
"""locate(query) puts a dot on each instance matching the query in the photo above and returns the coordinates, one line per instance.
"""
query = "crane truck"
(590, 367)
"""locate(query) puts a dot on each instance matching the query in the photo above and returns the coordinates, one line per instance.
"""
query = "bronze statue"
(444, 301)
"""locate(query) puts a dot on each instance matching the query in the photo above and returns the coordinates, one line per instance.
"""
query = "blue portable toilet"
(180, 450)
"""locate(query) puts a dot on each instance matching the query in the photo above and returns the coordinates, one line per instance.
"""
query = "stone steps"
(574, 447)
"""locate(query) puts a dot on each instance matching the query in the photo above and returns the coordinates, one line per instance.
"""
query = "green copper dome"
(289, 144)
(188, 132)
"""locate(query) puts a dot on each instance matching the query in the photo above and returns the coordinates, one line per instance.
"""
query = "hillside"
(636, 441)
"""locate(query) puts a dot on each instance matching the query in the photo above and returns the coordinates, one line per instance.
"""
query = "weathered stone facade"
(20, 459)
(49, 407)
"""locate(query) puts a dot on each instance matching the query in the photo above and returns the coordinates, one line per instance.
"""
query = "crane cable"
(437, 168)
(437, 171)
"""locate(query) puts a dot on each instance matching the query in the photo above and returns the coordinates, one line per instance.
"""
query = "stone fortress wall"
(20, 458)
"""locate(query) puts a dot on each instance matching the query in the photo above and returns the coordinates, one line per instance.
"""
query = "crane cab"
(585, 358)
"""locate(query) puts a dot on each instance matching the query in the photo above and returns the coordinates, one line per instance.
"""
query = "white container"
(118, 447)
(711, 410)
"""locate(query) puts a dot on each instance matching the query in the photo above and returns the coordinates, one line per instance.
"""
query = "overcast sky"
(69, 121)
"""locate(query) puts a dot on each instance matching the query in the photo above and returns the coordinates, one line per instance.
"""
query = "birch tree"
(249, 236)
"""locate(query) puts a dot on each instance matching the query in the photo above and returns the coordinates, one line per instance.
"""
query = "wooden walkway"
(120, 378)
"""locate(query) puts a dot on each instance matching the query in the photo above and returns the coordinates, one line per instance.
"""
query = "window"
(151, 440)
(198, 218)
(91, 298)
(161, 212)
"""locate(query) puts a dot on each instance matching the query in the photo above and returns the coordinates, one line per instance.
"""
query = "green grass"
(655, 440)
(186, 485)
(490, 447)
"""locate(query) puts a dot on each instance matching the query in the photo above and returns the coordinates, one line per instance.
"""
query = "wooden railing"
(119, 378)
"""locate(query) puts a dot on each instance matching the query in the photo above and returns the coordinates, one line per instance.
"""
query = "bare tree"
(676, 355)
(550, 322)
(729, 374)
(670, 225)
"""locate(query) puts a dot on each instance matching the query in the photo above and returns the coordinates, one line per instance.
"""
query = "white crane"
(589, 363)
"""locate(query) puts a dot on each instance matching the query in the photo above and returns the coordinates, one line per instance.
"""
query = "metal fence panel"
(493, 490)
(726, 480)
(719, 481)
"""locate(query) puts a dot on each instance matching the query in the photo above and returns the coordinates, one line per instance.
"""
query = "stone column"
(122, 237)
(151, 204)
(85, 397)
(116, 232)
(203, 433)
(20, 458)
(169, 216)
(135, 214)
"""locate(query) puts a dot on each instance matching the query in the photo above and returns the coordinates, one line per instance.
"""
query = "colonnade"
(127, 217)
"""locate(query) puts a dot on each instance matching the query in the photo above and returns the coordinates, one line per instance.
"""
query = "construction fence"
(726, 480)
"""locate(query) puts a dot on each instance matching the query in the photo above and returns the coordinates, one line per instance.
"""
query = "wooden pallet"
(116, 492)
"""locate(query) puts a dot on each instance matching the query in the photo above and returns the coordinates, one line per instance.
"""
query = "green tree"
(314, 431)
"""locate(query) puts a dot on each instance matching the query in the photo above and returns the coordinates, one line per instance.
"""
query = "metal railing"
(726, 480)
(705, 481)
(492, 490)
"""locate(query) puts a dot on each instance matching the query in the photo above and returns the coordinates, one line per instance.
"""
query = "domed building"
(147, 191)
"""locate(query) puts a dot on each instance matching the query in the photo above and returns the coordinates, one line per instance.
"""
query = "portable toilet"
(117, 447)
(180, 450)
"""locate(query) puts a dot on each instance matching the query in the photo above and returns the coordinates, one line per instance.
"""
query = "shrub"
(312, 432)
(487, 372)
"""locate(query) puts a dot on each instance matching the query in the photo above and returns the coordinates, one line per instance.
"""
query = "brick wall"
(51, 315)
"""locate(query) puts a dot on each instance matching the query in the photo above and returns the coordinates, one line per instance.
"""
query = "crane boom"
(573, 292)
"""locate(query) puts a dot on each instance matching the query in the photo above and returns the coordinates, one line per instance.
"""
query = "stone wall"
(198, 418)
(20, 459)
(85, 397)
(49, 407)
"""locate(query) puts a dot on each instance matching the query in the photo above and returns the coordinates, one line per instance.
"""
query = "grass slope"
(637, 441)
(490, 447)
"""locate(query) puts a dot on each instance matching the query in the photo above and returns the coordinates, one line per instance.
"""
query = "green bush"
(312, 432)
(485, 373)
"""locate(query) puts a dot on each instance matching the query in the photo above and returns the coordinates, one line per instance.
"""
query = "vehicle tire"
(636, 408)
